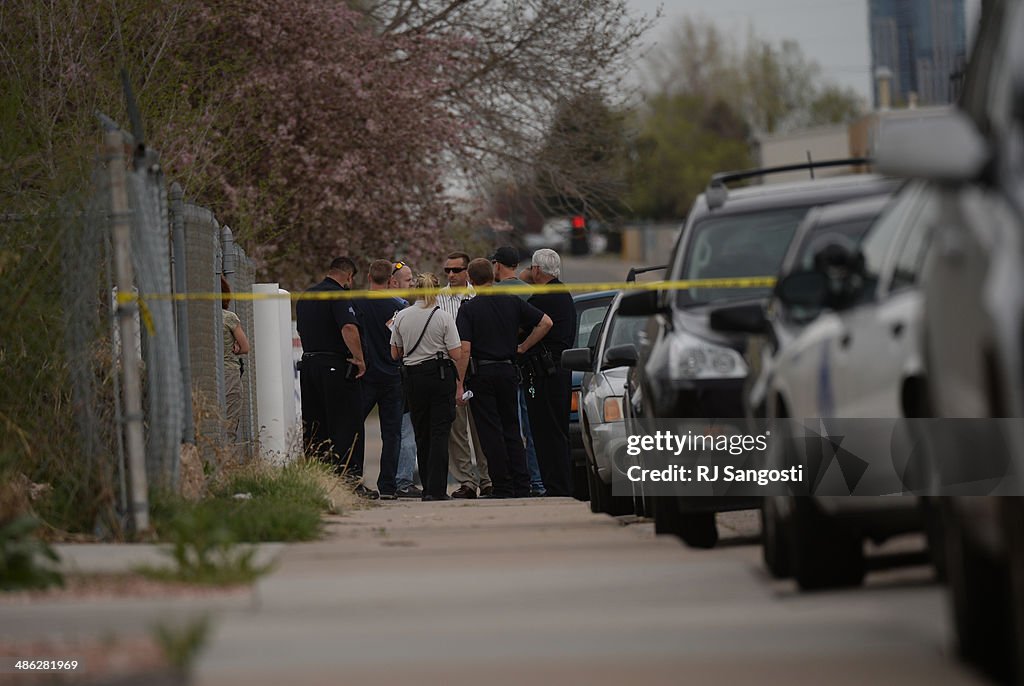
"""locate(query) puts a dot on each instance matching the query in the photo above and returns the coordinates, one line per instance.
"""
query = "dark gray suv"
(686, 370)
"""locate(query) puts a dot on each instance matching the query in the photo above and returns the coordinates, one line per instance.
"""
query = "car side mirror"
(577, 360)
(747, 318)
(624, 355)
(646, 303)
(946, 148)
(803, 289)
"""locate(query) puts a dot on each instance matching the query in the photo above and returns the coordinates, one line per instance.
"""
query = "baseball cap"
(506, 255)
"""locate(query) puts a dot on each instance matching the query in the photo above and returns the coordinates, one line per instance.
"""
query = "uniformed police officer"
(332, 364)
(382, 385)
(424, 337)
(489, 326)
(548, 386)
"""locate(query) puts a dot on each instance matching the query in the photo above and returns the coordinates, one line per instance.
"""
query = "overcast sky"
(834, 33)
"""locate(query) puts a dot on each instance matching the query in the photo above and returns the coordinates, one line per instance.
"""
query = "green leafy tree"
(581, 167)
(682, 140)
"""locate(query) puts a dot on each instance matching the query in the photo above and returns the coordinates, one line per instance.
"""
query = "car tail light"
(574, 404)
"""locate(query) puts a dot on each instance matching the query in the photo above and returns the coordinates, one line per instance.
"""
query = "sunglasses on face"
(398, 266)
(454, 270)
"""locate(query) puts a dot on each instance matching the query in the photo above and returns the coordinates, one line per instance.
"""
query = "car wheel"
(1013, 524)
(614, 505)
(580, 485)
(979, 585)
(698, 530)
(596, 501)
(823, 554)
(931, 513)
(774, 543)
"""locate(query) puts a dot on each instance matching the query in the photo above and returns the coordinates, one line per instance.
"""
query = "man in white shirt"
(463, 437)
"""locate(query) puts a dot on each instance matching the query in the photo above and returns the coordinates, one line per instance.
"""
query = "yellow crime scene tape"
(412, 293)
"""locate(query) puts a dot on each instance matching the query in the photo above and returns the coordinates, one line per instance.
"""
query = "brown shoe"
(464, 491)
(486, 491)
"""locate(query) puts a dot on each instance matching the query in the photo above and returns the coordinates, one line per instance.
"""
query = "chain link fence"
(62, 414)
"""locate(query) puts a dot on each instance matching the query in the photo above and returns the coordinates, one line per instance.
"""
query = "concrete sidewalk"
(102, 614)
(543, 591)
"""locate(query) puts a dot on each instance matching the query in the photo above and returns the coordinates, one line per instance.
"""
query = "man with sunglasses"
(463, 434)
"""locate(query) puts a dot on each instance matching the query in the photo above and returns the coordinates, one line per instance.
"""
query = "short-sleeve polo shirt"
(320, 321)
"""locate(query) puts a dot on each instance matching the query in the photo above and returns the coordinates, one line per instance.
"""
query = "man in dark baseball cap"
(507, 256)
(506, 261)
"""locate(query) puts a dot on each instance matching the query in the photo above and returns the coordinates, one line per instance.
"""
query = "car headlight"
(690, 357)
(613, 409)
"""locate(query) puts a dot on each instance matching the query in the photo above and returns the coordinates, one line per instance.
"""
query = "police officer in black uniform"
(488, 326)
(548, 387)
(332, 364)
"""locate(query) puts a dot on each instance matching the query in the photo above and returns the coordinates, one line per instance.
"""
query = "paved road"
(543, 591)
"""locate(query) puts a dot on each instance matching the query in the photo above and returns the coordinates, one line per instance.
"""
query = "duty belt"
(484, 363)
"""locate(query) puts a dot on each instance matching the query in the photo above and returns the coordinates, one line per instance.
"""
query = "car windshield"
(745, 245)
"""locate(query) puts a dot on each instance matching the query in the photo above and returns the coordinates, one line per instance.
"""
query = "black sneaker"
(430, 498)
(410, 492)
(389, 496)
(363, 492)
(536, 492)
(486, 491)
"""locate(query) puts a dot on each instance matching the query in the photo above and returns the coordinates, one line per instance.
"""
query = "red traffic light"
(579, 222)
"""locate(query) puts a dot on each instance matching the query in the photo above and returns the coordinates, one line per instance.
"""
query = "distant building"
(923, 43)
(817, 144)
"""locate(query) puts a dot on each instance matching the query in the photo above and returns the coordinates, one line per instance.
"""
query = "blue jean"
(389, 401)
(531, 453)
(406, 455)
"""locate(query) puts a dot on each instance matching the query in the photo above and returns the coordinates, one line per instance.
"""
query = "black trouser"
(387, 396)
(549, 420)
(432, 406)
(332, 412)
(495, 405)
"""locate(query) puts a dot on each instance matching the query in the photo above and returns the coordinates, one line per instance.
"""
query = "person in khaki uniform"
(425, 338)
(460, 462)
(235, 345)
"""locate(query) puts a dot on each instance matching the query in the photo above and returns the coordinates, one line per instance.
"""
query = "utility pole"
(127, 309)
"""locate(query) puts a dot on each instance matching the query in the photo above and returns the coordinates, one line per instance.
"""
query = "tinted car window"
(847, 235)
(911, 255)
(589, 315)
(879, 241)
(742, 245)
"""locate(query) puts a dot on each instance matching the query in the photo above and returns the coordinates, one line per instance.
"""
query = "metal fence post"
(130, 359)
(180, 265)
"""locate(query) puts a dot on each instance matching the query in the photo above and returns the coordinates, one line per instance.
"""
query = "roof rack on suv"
(717, 192)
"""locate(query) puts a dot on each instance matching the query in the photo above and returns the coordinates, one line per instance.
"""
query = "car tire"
(931, 514)
(1013, 524)
(580, 483)
(823, 554)
(775, 547)
(606, 502)
(696, 529)
(979, 585)
(596, 504)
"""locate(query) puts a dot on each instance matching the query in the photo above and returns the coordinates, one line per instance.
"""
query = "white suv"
(973, 329)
